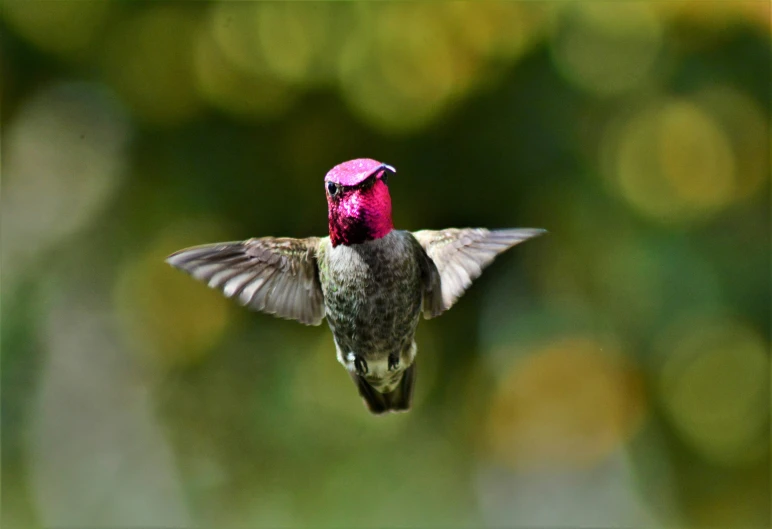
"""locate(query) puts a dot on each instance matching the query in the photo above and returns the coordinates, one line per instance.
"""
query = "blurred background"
(612, 374)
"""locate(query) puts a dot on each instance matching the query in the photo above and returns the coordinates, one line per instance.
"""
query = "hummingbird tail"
(398, 400)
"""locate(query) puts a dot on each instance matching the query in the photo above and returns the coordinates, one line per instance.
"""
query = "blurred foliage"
(615, 373)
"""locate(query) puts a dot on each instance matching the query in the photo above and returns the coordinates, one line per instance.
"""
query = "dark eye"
(332, 188)
(385, 177)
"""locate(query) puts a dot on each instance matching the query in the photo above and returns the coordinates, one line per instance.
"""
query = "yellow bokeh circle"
(571, 403)
(672, 161)
(714, 383)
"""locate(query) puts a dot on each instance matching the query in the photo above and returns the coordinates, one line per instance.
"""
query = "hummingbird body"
(373, 298)
(371, 282)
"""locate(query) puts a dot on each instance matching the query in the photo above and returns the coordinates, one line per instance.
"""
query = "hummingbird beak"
(384, 171)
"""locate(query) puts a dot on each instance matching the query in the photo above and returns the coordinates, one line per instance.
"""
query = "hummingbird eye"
(385, 177)
(332, 188)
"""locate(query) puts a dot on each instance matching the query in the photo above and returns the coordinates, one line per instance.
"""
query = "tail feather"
(395, 401)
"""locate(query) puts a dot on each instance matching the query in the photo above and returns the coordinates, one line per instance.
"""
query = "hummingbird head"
(358, 201)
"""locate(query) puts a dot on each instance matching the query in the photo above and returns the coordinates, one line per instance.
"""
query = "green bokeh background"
(612, 374)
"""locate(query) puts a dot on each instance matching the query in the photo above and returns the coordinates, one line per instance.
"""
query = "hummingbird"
(371, 282)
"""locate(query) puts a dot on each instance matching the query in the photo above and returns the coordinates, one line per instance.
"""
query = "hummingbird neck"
(362, 215)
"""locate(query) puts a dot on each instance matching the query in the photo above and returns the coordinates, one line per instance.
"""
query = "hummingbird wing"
(460, 255)
(274, 275)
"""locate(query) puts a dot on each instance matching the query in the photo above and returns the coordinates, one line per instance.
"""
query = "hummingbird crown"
(354, 172)
(358, 201)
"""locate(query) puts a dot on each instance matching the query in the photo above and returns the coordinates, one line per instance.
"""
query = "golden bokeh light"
(492, 29)
(570, 403)
(295, 39)
(695, 157)
(168, 318)
(398, 81)
(487, 35)
(744, 122)
(291, 42)
(67, 28)
(606, 48)
(233, 26)
(403, 65)
(149, 62)
(399, 66)
(239, 92)
(256, 56)
(714, 384)
(671, 161)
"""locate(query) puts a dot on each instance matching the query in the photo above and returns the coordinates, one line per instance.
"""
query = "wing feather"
(460, 255)
(275, 275)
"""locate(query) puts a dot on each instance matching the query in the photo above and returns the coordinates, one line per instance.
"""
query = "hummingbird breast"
(373, 294)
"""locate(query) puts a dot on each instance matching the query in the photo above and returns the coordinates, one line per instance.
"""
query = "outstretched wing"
(460, 255)
(273, 275)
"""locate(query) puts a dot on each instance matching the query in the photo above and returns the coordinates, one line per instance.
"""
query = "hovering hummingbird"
(370, 281)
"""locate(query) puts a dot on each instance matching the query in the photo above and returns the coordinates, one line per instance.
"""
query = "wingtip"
(522, 234)
(181, 257)
(533, 232)
(173, 259)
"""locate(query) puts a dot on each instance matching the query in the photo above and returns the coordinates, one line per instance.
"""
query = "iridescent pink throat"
(357, 215)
